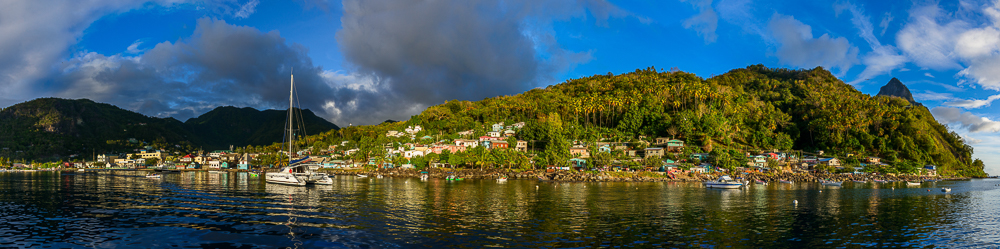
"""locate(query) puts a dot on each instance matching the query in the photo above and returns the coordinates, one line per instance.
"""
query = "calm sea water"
(123, 209)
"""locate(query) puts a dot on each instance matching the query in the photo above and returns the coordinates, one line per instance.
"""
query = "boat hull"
(284, 178)
(723, 185)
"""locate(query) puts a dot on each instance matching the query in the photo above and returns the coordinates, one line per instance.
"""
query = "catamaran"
(299, 172)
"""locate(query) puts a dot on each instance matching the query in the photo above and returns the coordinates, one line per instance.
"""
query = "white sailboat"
(298, 172)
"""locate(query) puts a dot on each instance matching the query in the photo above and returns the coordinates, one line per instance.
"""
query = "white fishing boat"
(299, 172)
(154, 175)
(724, 182)
(946, 190)
(912, 184)
(831, 183)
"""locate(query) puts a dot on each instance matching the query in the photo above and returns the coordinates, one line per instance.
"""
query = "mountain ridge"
(55, 128)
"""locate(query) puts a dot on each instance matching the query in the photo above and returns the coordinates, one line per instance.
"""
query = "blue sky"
(361, 62)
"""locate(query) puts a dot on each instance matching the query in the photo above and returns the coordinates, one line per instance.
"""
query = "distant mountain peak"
(896, 88)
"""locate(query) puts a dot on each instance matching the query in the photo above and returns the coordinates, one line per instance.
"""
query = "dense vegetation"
(745, 110)
(50, 129)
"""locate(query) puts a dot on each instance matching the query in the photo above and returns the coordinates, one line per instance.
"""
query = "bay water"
(236, 210)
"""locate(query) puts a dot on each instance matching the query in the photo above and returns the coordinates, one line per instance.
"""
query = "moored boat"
(299, 172)
(912, 184)
(154, 175)
(362, 176)
(831, 183)
(502, 179)
(724, 182)
(946, 190)
(785, 181)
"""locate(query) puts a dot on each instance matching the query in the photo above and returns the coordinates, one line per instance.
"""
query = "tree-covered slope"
(51, 128)
(746, 110)
(227, 125)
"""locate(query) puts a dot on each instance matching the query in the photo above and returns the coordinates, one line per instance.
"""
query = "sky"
(362, 62)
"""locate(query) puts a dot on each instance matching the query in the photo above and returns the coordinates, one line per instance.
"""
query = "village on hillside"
(412, 150)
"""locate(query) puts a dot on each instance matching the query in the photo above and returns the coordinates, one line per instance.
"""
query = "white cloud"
(978, 42)
(247, 9)
(973, 123)
(928, 43)
(971, 140)
(886, 19)
(134, 48)
(37, 36)
(973, 103)
(705, 22)
(798, 48)
(883, 58)
(928, 74)
(932, 96)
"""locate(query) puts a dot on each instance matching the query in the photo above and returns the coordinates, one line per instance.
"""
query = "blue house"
(604, 148)
(578, 163)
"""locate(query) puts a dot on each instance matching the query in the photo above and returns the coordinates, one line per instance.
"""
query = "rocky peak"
(896, 88)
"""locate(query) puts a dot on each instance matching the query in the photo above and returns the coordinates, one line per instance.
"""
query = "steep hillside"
(227, 125)
(56, 128)
(53, 129)
(745, 110)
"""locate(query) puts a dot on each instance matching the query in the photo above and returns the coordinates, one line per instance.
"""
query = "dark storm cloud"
(404, 56)
(430, 51)
(220, 64)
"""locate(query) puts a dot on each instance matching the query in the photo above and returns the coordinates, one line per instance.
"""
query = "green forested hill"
(53, 129)
(240, 127)
(754, 108)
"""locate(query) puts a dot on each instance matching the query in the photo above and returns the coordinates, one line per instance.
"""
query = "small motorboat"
(81, 170)
(379, 176)
(912, 184)
(785, 181)
(362, 176)
(946, 190)
(154, 175)
(831, 183)
(502, 179)
(453, 178)
(760, 182)
(724, 182)
(881, 181)
(860, 181)
(424, 177)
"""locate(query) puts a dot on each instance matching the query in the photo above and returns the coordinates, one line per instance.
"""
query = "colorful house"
(675, 145)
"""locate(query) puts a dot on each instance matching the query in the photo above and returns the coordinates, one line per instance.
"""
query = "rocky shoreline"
(568, 176)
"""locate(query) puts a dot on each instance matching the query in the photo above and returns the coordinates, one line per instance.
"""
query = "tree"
(152, 161)
(652, 162)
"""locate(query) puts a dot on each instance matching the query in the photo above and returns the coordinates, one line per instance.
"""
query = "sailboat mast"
(291, 121)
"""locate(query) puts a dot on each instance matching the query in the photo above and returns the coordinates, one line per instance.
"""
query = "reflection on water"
(124, 209)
